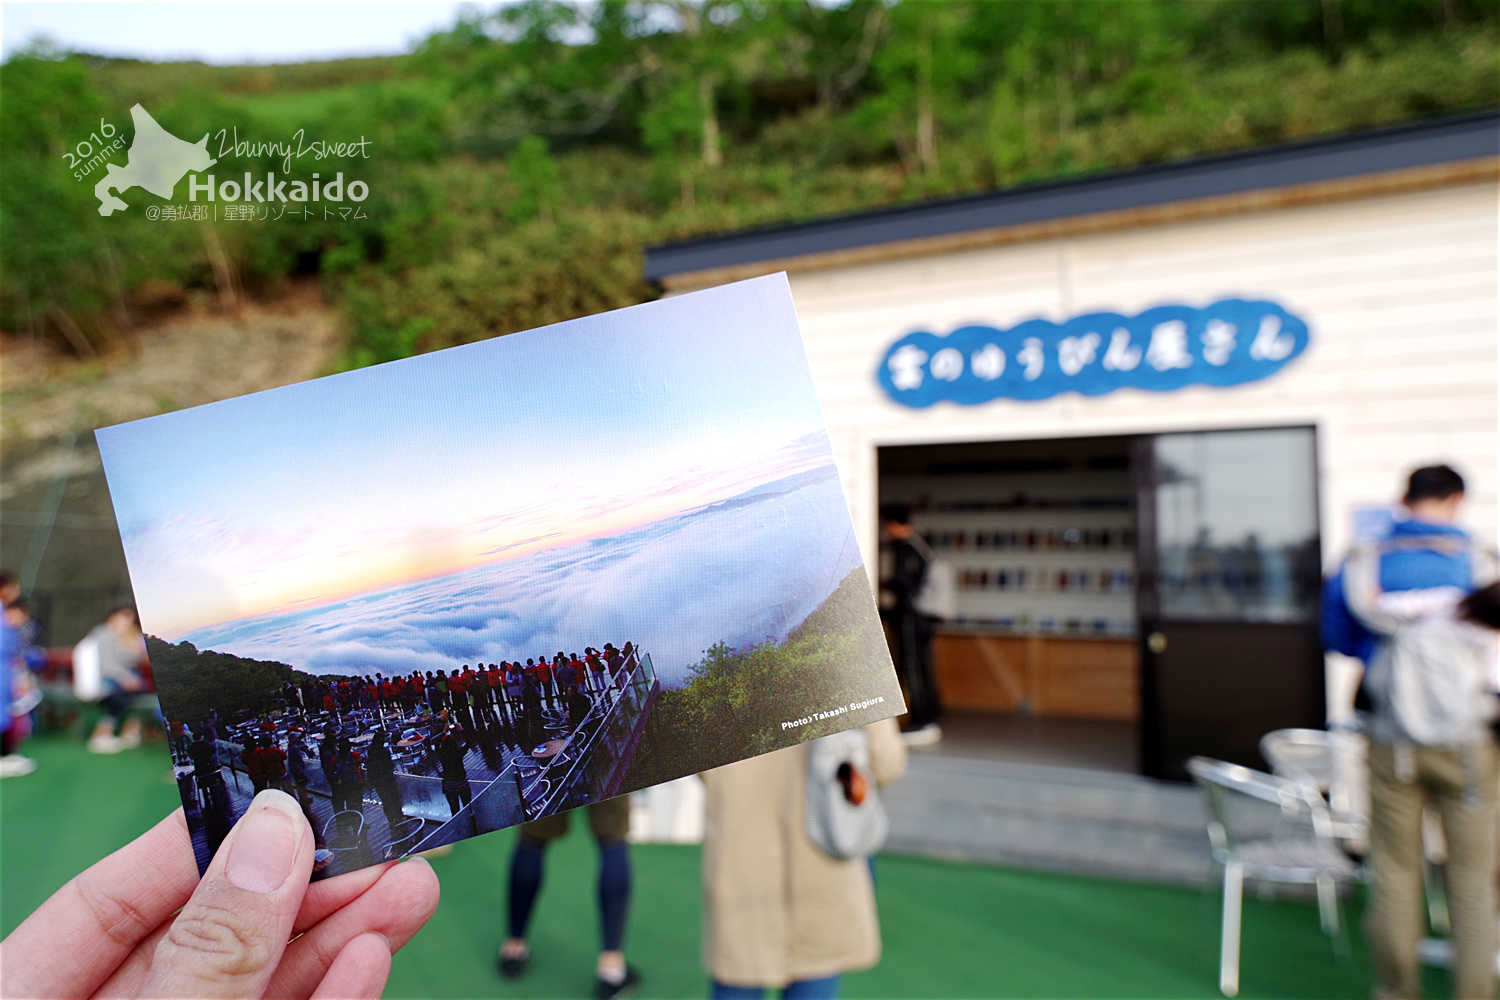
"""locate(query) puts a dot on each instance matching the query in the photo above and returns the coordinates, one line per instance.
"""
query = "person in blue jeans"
(609, 821)
(826, 988)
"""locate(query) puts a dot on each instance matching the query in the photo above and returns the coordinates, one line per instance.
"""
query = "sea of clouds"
(739, 571)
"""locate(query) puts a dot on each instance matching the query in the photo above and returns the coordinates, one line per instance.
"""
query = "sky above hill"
(227, 33)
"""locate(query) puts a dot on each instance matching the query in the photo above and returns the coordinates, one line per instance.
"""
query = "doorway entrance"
(1123, 603)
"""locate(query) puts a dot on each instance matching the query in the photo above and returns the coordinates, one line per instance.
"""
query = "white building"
(1139, 566)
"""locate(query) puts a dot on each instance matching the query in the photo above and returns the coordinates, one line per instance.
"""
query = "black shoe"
(513, 968)
(605, 990)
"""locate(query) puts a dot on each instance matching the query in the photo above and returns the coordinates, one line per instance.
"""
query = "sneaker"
(512, 966)
(925, 737)
(15, 766)
(105, 744)
(606, 990)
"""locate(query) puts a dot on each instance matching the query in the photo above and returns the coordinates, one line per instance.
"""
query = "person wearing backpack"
(1421, 595)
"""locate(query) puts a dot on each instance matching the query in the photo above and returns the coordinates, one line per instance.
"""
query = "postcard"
(446, 595)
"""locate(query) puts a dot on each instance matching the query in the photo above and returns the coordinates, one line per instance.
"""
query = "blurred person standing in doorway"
(778, 912)
(1422, 591)
(904, 568)
(119, 647)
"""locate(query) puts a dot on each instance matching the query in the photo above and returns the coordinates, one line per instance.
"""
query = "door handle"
(1156, 642)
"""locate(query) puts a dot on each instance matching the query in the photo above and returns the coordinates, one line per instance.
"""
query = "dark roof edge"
(1425, 142)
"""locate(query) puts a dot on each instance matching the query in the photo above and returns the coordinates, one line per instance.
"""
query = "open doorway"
(1040, 663)
(1123, 603)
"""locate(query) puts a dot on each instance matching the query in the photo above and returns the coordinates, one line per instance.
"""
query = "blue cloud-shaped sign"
(1230, 342)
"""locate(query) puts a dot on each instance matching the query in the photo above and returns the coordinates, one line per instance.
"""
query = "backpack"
(1428, 680)
(938, 597)
(844, 816)
(1429, 684)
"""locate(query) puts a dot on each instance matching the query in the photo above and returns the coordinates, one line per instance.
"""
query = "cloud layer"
(740, 571)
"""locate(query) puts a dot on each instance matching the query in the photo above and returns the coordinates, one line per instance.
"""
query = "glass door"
(1228, 571)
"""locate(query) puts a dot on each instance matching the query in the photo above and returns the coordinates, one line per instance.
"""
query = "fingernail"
(265, 843)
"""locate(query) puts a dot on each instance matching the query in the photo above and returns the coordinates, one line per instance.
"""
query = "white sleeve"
(1362, 591)
(88, 683)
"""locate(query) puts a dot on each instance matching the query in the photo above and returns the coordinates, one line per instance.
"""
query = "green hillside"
(520, 161)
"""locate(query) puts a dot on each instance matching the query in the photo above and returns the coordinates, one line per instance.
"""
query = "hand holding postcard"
(446, 595)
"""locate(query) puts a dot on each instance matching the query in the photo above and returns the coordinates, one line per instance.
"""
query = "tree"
(920, 67)
(536, 173)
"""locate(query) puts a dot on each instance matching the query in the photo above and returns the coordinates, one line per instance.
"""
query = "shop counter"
(1062, 676)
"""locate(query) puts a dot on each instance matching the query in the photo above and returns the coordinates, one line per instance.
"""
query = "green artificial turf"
(951, 930)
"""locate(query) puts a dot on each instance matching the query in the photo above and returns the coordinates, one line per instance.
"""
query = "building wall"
(1399, 293)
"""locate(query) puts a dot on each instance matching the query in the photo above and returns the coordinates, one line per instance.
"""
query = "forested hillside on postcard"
(520, 161)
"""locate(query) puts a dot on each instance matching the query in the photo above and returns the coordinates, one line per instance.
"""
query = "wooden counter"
(1079, 678)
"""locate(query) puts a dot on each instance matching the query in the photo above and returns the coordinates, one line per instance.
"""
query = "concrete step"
(1063, 819)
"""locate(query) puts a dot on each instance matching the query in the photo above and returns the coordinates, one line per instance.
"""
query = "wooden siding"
(1398, 290)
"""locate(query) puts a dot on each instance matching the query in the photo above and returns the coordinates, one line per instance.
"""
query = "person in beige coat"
(778, 912)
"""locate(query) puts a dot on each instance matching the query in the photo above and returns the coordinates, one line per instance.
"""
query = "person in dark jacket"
(532, 729)
(209, 780)
(450, 754)
(380, 769)
(296, 762)
(348, 779)
(900, 586)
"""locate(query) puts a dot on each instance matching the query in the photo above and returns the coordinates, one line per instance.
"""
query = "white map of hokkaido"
(156, 161)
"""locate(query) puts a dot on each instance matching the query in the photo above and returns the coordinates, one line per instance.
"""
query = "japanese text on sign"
(1227, 343)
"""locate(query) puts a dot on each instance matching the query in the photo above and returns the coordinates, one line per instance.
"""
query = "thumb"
(229, 938)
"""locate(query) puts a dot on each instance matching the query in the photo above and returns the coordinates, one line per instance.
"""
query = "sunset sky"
(308, 494)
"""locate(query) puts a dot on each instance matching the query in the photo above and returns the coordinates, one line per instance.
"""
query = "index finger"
(101, 914)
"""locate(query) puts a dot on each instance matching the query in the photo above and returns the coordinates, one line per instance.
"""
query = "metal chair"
(1303, 849)
(1334, 764)
(344, 835)
(1337, 764)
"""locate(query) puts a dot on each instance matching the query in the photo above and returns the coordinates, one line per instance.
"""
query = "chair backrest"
(1333, 762)
(344, 829)
(1312, 753)
(1296, 799)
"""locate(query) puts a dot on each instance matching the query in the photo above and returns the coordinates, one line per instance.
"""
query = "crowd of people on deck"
(510, 694)
(359, 728)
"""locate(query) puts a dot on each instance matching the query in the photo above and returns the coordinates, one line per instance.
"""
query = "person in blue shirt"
(12, 764)
(12, 667)
(1426, 551)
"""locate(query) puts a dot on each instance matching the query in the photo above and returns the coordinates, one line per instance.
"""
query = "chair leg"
(1329, 916)
(1206, 905)
(1437, 899)
(1229, 948)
